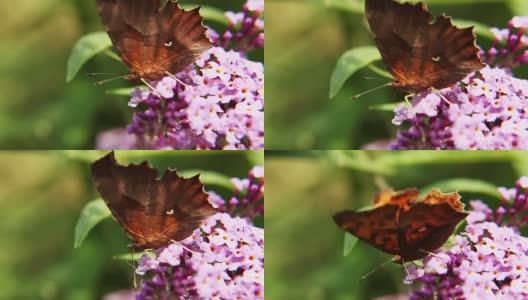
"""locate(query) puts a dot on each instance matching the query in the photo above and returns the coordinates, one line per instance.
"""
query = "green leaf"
(519, 7)
(349, 63)
(350, 242)
(399, 159)
(87, 47)
(359, 161)
(358, 6)
(463, 185)
(130, 256)
(354, 6)
(91, 214)
(112, 55)
(380, 72)
(120, 91)
(255, 158)
(520, 163)
(210, 13)
(386, 106)
(83, 156)
(210, 178)
(462, 2)
(480, 28)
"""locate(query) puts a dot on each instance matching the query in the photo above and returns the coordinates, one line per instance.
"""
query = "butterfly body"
(150, 41)
(153, 212)
(403, 226)
(420, 51)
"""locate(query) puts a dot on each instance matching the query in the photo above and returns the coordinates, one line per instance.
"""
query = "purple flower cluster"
(246, 29)
(487, 261)
(223, 259)
(513, 208)
(216, 103)
(486, 111)
(218, 106)
(510, 46)
(248, 198)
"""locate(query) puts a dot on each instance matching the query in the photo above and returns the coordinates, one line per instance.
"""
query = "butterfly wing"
(152, 42)
(153, 212)
(428, 224)
(184, 204)
(402, 199)
(376, 227)
(420, 53)
(183, 37)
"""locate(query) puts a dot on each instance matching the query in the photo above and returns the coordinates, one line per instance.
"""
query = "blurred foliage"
(304, 247)
(42, 196)
(303, 55)
(38, 110)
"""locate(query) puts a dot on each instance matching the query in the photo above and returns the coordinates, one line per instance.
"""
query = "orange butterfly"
(403, 225)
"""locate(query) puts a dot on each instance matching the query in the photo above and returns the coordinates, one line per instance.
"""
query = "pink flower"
(487, 261)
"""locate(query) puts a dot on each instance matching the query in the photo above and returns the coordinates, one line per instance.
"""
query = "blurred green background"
(305, 40)
(304, 247)
(42, 195)
(38, 110)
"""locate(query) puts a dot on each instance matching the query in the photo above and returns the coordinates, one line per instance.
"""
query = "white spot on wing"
(170, 212)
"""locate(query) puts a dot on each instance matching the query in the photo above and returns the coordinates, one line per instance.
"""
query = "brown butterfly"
(153, 42)
(403, 225)
(152, 211)
(421, 52)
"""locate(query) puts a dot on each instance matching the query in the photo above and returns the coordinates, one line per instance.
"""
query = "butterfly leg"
(183, 246)
(441, 96)
(152, 88)
(175, 78)
(405, 267)
(431, 253)
(408, 99)
(134, 275)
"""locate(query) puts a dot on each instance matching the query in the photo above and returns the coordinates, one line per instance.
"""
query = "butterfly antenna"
(95, 74)
(372, 78)
(375, 270)
(371, 90)
(176, 78)
(101, 82)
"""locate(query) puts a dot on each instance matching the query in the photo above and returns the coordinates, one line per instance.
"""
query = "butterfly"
(153, 212)
(403, 225)
(153, 42)
(421, 52)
